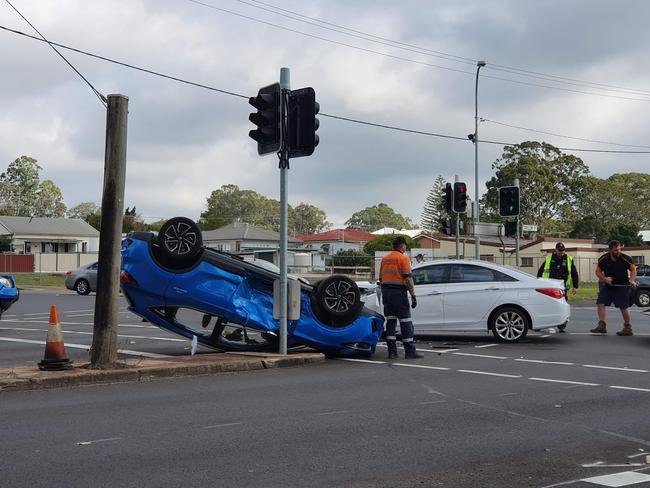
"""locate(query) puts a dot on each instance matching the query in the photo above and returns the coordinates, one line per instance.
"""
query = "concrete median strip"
(142, 370)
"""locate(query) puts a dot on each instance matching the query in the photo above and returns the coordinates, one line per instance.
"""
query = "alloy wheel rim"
(644, 299)
(180, 239)
(339, 296)
(510, 326)
(82, 286)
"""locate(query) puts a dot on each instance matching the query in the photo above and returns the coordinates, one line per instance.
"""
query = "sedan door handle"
(493, 288)
(431, 293)
(179, 290)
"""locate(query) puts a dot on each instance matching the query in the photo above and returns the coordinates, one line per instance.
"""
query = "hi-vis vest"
(393, 266)
(547, 268)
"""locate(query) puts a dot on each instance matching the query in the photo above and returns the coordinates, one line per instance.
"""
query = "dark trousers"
(397, 307)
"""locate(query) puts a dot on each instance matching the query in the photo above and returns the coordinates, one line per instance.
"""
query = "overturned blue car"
(9, 293)
(174, 282)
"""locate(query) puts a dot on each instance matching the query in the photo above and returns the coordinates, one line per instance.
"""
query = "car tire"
(180, 242)
(337, 300)
(643, 298)
(82, 287)
(509, 324)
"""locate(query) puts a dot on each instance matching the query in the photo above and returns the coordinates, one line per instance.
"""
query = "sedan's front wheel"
(643, 298)
(509, 324)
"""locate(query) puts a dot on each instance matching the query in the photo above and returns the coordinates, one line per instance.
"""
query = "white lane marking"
(625, 478)
(486, 345)
(171, 339)
(86, 443)
(507, 394)
(601, 464)
(79, 315)
(637, 455)
(616, 369)
(75, 311)
(489, 374)
(629, 388)
(335, 412)
(87, 348)
(564, 381)
(545, 336)
(479, 355)
(433, 402)
(362, 361)
(544, 362)
(79, 323)
(441, 351)
(222, 425)
(422, 366)
(39, 313)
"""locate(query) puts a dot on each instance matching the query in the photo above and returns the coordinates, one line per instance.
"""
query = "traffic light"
(510, 228)
(268, 119)
(460, 197)
(509, 201)
(448, 197)
(302, 123)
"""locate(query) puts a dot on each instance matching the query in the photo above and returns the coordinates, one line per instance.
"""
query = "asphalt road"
(551, 411)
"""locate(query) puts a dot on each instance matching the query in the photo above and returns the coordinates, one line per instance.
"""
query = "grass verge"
(39, 279)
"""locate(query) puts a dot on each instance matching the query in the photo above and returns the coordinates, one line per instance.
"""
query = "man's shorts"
(618, 295)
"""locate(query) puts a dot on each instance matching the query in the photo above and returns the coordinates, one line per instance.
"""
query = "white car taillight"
(551, 292)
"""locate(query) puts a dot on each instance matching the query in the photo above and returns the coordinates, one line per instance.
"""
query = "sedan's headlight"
(6, 283)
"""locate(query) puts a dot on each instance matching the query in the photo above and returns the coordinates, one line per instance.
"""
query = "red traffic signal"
(460, 197)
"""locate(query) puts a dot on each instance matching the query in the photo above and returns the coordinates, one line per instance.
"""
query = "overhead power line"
(101, 97)
(440, 54)
(561, 135)
(338, 117)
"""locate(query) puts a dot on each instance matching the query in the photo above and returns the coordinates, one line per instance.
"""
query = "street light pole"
(477, 214)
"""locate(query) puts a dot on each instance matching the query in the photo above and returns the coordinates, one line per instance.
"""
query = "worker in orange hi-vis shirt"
(395, 277)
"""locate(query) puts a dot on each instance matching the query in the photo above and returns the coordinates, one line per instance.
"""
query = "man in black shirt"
(612, 271)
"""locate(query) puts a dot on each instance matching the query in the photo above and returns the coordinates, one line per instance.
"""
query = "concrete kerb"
(143, 370)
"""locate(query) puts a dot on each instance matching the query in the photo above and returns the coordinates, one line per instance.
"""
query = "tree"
(373, 218)
(626, 234)
(350, 258)
(157, 225)
(549, 182)
(132, 221)
(229, 204)
(434, 213)
(20, 185)
(81, 210)
(5, 243)
(49, 201)
(385, 243)
(307, 219)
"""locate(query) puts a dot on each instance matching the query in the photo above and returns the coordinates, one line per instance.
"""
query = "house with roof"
(333, 241)
(247, 240)
(31, 235)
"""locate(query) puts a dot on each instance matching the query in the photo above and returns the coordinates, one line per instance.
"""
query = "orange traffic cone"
(55, 358)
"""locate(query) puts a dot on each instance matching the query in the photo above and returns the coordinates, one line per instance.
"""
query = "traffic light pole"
(456, 179)
(283, 154)
(517, 234)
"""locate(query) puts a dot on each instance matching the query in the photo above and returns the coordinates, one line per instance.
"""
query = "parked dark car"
(9, 293)
(642, 297)
(83, 280)
(174, 282)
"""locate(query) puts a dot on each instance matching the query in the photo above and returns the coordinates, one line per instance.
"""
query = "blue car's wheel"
(337, 301)
(180, 241)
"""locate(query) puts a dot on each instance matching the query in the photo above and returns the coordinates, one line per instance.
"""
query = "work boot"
(413, 355)
(393, 355)
(601, 328)
(626, 330)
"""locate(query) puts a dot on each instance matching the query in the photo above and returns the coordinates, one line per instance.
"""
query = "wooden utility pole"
(103, 353)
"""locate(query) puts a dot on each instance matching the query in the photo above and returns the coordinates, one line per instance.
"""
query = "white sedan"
(464, 296)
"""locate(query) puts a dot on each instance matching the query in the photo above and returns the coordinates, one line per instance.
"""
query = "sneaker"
(601, 328)
(413, 355)
(626, 330)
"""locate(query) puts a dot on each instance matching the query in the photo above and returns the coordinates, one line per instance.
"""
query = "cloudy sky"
(409, 64)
